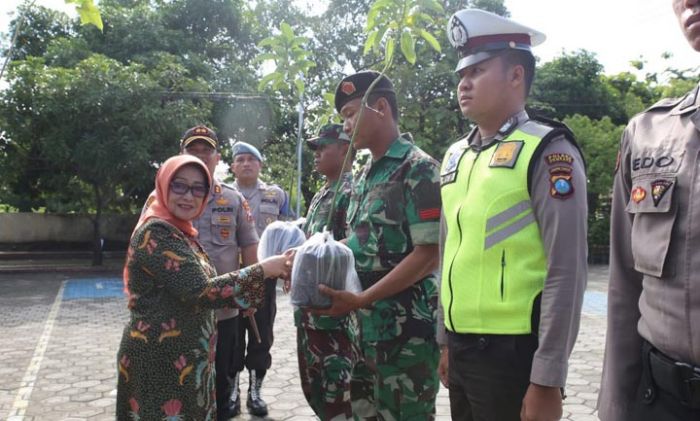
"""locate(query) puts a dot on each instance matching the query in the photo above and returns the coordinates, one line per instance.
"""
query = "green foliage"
(291, 61)
(89, 14)
(599, 141)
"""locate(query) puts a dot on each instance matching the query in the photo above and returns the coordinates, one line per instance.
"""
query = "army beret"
(330, 133)
(479, 35)
(355, 86)
(200, 132)
(242, 147)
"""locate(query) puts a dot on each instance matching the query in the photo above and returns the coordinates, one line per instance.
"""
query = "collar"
(689, 103)
(398, 148)
(479, 143)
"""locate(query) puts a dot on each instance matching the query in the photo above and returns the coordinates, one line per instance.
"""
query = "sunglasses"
(181, 188)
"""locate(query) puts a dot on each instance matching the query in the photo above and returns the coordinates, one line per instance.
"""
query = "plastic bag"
(322, 260)
(279, 237)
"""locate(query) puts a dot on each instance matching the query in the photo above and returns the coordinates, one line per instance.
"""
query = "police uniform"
(224, 228)
(268, 203)
(327, 346)
(513, 246)
(395, 205)
(652, 354)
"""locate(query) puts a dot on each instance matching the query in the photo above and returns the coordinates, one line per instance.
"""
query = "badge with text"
(659, 189)
(224, 220)
(559, 158)
(561, 186)
(638, 194)
(449, 170)
(506, 154)
(248, 213)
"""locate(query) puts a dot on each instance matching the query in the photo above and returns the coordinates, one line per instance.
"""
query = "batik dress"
(167, 353)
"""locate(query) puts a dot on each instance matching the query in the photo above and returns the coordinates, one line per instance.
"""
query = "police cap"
(479, 35)
(200, 132)
(355, 86)
(330, 133)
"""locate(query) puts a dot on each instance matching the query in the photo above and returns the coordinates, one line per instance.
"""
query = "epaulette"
(666, 104)
(553, 124)
(228, 186)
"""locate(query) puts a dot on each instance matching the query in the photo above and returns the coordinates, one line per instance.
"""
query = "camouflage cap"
(330, 133)
(200, 132)
(355, 86)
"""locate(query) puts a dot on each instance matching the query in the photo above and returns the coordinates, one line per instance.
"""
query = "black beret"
(355, 86)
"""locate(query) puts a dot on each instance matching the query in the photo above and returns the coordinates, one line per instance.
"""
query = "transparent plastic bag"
(279, 237)
(322, 260)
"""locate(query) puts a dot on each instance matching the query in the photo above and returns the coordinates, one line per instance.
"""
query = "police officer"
(227, 233)
(268, 203)
(393, 216)
(652, 353)
(327, 346)
(514, 234)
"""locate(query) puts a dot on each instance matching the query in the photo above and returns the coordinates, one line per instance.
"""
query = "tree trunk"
(96, 234)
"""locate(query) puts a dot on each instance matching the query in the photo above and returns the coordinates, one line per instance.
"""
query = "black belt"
(367, 279)
(681, 380)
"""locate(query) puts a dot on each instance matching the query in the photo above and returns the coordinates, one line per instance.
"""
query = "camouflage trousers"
(326, 359)
(396, 380)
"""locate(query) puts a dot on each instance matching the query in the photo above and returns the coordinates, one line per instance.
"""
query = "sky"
(617, 31)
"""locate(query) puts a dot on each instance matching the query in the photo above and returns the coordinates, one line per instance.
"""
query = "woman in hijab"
(167, 353)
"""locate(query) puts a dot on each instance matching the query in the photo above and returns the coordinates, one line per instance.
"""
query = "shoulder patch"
(559, 158)
(561, 186)
(506, 154)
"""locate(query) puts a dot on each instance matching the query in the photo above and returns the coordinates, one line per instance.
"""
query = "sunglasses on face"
(181, 188)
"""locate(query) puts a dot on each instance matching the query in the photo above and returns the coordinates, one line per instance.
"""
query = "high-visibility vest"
(494, 263)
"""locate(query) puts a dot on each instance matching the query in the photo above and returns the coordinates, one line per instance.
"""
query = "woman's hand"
(279, 266)
(276, 266)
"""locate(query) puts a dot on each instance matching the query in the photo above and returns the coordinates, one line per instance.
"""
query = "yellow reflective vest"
(494, 264)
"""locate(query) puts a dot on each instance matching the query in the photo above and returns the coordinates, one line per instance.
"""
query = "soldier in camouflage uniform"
(327, 346)
(393, 214)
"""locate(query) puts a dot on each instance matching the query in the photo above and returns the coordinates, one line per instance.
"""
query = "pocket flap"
(651, 195)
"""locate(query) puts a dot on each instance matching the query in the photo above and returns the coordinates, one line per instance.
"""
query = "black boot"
(256, 406)
(236, 396)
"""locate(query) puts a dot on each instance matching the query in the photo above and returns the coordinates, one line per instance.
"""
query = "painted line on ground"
(21, 403)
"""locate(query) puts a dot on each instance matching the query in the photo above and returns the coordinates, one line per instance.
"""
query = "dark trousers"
(655, 401)
(258, 355)
(225, 343)
(489, 375)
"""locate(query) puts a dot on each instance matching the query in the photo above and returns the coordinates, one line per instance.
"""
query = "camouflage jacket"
(395, 205)
(316, 219)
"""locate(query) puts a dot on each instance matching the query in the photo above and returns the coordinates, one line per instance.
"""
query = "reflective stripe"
(506, 232)
(507, 214)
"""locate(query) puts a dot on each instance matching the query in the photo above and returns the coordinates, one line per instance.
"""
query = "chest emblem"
(659, 189)
(638, 194)
(506, 154)
(225, 233)
(221, 201)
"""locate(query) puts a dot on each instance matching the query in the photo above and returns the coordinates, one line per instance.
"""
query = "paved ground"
(61, 332)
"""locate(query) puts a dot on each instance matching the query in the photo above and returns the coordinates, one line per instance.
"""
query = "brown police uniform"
(268, 203)
(652, 355)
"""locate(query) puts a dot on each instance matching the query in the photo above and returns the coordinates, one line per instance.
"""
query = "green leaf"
(287, 30)
(430, 39)
(266, 80)
(371, 39)
(408, 47)
(300, 86)
(371, 19)
(89, 13)
(267, 41)
(389, 50)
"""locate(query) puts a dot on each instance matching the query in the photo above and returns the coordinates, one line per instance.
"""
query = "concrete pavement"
(61, 333)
